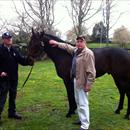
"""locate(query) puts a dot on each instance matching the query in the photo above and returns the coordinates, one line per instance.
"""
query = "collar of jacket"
(82, 52)
(6, 48)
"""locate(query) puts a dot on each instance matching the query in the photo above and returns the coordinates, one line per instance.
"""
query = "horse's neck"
(57, 55)
(52, 54)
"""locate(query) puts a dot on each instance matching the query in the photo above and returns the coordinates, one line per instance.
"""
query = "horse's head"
(36, 44)
(40, 42)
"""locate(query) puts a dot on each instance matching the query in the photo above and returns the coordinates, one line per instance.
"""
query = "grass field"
(43, 103)
(100, 45)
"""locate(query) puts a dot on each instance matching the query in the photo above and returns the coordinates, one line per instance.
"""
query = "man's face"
(80, 44)
(7, 41)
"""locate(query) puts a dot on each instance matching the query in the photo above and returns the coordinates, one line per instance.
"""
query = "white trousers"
(81, 98)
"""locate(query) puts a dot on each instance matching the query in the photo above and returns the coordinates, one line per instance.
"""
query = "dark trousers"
(11, 87)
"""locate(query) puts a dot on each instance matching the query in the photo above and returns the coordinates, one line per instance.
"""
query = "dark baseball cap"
(6, 35)
(81, 37)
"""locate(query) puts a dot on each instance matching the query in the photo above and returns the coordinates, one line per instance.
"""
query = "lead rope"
(27, 78)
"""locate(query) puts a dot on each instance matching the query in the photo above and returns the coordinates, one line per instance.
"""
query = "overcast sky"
(63, 21)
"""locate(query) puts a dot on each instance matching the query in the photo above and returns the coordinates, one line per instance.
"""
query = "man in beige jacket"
(83, 73)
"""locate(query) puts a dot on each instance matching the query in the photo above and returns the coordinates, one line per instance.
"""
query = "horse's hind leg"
(128, 109)
(122, 95)
(121, 101)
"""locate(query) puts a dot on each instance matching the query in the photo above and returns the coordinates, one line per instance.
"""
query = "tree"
(108, 6)
(2, 24)
(122, 36)
(107, 19)
(38, 14)
(81, 11)
(99, 32)
(71, 36)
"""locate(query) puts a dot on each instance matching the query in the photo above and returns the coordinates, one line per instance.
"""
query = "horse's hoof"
(127, 117)
(117, 112)
(69, 114)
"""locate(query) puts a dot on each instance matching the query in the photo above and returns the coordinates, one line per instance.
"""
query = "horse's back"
(111, 60)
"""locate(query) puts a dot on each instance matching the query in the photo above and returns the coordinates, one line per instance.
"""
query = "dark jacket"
(9, 60)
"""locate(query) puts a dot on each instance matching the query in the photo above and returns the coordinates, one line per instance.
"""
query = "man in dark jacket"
(9, 60)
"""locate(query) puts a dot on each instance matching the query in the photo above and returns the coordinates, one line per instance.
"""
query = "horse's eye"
(42, 43)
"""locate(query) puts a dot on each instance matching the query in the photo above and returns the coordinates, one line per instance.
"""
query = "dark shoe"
(77, 122)
(15, 116)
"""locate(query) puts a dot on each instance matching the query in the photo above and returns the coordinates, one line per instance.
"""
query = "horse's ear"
(33, 31)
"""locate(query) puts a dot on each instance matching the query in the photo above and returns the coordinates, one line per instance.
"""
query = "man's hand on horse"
(53, 43)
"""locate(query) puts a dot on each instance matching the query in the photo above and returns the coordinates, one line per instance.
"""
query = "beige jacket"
(85, 65)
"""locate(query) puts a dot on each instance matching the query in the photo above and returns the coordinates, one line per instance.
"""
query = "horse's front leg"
(70, 93)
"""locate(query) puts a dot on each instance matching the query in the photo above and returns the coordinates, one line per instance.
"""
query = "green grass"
(43, 103)
(99, 45)
(96, 45)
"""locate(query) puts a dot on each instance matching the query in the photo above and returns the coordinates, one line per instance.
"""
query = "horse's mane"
(57, 38)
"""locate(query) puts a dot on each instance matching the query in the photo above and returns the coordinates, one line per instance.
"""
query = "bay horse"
(114, 61)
